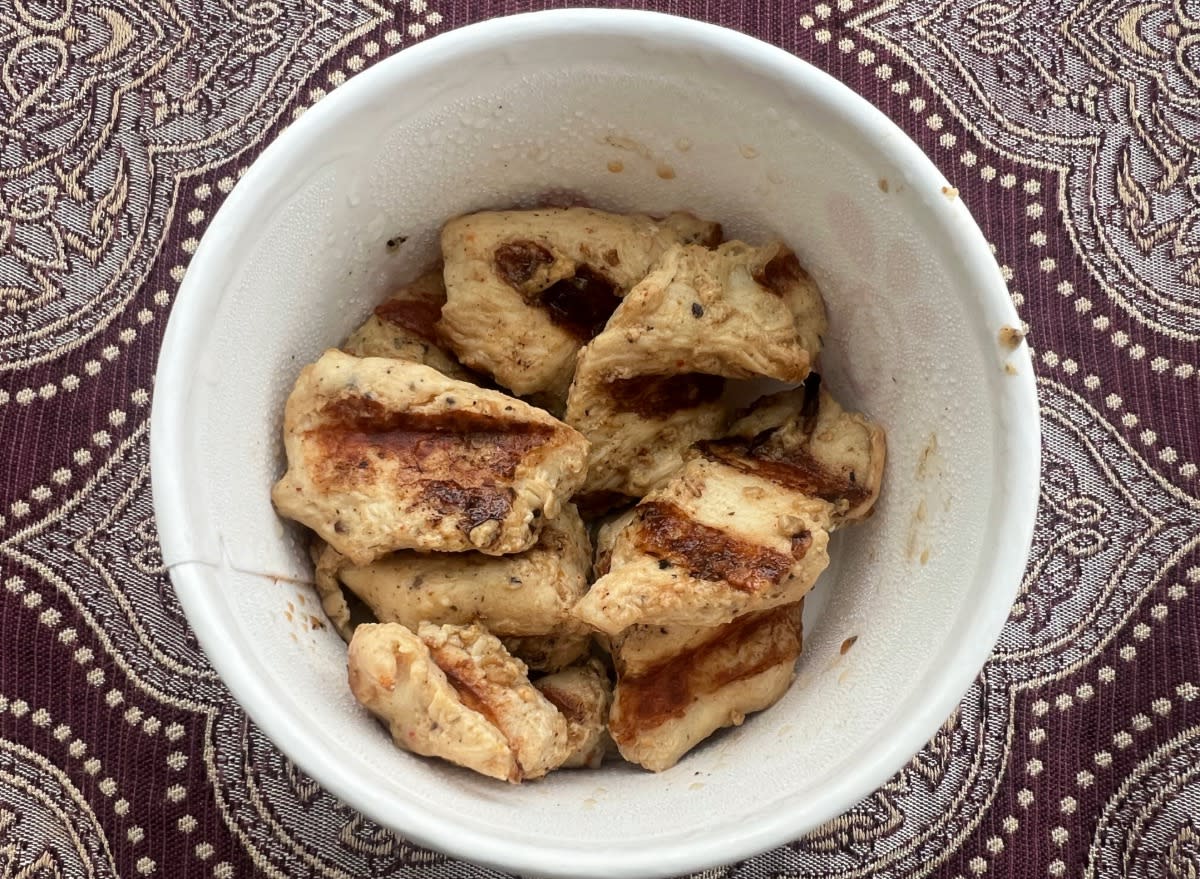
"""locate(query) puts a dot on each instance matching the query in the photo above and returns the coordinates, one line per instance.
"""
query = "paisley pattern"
(47, 828)
(1104, 93)
(1156, 804)
(106, 107)
(1071, 127)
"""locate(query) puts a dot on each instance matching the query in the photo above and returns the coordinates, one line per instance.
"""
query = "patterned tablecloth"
(1070, 127)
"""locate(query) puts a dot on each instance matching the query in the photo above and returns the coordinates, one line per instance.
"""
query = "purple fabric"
(1070, 129)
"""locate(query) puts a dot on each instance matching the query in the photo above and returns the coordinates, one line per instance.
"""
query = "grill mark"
(458, 450)
(665, 691)
(781, 272)
(665, 532)
(418, 316)
(795, 470)
(655, 396)
(582, 304)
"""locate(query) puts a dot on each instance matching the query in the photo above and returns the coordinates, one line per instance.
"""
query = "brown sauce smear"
(795, 470)
(418, 316)
(518, 261)
(581, 305)
(666, 691)
(654, 396)
(666, 533)
(458, 457)
(782, 272)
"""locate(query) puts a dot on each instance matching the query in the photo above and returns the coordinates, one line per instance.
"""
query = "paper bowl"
(697, 118)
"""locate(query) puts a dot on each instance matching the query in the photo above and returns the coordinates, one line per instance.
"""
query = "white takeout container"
(515, 111)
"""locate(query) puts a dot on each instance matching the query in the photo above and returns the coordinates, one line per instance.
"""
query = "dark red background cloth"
(1069, 127)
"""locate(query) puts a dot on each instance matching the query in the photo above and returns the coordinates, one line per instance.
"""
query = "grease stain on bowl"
(1010, 337)
(628, 144)
(916, 532)
(929, 463)
(927, 474)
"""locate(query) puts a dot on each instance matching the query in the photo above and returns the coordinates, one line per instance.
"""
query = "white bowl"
(501, 113)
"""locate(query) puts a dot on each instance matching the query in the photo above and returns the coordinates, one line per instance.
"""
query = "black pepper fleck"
(697, 310)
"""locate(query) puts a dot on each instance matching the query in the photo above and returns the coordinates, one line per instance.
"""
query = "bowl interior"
(630, 112)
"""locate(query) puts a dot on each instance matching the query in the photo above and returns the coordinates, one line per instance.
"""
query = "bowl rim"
(676, 854)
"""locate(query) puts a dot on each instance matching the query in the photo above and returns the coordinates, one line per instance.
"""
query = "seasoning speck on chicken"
(525, 289)
(387, 454)
(454, 692)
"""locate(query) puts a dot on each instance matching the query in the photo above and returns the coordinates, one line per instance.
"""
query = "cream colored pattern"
(47, 828)
(106, 106)
(1151, 826)
(1105, 93)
